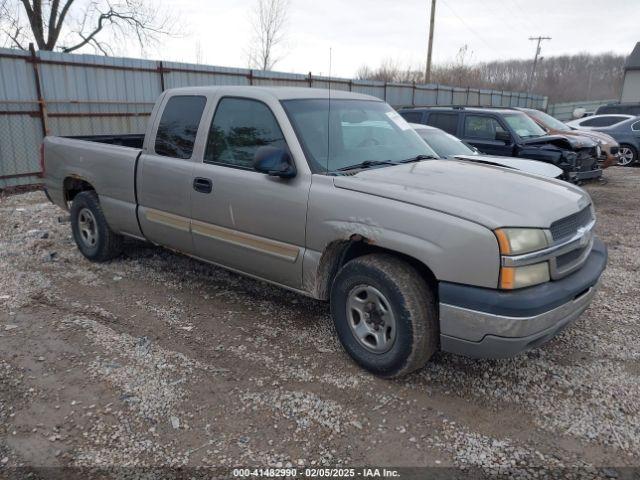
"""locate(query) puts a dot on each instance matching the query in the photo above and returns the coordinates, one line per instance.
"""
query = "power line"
(468, 26)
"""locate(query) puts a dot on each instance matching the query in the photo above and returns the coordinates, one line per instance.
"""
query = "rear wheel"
(385, 315)
(90, 230)
(627, 155)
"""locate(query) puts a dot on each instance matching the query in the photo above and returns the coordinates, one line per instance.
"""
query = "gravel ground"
(157, 360)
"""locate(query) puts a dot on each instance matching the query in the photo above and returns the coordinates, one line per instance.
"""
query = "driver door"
(249, 221)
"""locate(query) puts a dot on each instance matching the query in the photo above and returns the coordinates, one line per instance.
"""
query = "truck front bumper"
(486, 323)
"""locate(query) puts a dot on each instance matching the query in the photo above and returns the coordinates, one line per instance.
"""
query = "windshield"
(360, 131)
(445, 145)
(548, 121)
(523, 125)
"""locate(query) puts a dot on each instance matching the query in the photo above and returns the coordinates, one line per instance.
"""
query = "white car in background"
(448, 146)
(596, 121)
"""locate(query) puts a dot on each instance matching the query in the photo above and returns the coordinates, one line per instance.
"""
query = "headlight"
(518, 241)
(598, 151)
(515, 241)
(526, 276)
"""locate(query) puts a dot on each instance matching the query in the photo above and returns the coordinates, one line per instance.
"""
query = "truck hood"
(530, 166)
(491, 196)
(562, 141)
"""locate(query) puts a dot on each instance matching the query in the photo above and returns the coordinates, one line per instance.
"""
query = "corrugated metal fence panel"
(564, 111)
(399, 94)
(189, 75)
(20, 133)
(375, 89)
(97, 84)
(89, 94)
(426, 95)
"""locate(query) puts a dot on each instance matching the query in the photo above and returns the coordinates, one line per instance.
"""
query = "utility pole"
(535, 61)
(427, 73)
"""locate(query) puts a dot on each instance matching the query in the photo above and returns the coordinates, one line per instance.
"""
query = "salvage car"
(608, 153)
(510, 133)
(335, 196)
(448, 146)
(627, 133)
(598, 121)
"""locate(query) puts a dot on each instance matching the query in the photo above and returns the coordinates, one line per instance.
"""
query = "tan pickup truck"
(333, 195)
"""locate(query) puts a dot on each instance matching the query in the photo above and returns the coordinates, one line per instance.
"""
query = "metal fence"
(49, 93)
(564, 111)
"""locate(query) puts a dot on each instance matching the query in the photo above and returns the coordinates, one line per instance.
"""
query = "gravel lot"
(156, 359)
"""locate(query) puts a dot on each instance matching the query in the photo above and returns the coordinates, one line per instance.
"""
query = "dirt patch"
(155, 359)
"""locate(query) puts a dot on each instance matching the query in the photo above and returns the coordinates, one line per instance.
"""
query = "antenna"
(329, 112)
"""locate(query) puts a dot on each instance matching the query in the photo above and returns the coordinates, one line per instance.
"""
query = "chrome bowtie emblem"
(585, 236)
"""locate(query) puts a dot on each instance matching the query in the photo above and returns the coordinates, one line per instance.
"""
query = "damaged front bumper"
(485, 323)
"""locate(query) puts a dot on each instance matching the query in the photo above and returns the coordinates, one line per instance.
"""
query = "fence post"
(42, 106)
(413, 94)
(250, 77)
(161, 71)
(385, 90)
(310, 80)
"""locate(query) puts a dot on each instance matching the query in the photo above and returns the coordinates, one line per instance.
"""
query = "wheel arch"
(73, 185)
(339, 252)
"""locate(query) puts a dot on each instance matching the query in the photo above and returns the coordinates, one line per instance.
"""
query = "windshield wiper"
(417, 158)
(367, 164)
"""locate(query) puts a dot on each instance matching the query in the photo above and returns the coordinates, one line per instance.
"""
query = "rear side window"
(179, 126)
(602, 121)
(479, 126)
(636, 127)
(444, 121)
(412, 117)
(240, 126)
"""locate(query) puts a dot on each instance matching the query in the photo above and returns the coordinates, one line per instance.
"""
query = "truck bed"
(134, 140)
(107, 162)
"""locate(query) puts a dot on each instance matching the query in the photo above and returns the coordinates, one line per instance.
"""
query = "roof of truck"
(281, 93)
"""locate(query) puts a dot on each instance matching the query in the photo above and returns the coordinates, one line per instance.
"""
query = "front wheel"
(385, 315)
(90, 230)
(627, 155)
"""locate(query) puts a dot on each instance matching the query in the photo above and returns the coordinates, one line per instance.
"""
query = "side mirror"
(503, 136)
(275, 162)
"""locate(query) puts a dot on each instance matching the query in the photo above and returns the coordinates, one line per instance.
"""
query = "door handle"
(202, 185)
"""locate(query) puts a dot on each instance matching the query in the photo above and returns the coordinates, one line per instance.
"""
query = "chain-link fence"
(49, 93)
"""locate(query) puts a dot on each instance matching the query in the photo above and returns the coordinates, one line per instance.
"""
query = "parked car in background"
(597, 121)
(448, 146)
(625, 108)
(414, 254)
(608, 146)
(627, 134)
(510, 133)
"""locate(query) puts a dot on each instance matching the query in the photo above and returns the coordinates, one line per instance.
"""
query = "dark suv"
(511, 133)
(619, 108)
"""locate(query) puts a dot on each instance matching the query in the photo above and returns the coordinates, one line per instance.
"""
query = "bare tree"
(563, 78)
(269, 19)
(70, 25)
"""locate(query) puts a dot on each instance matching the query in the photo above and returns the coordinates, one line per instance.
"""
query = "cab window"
(179, 126)
(240, 126)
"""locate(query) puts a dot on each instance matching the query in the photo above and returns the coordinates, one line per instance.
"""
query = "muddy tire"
(90, 230)
(385, 315)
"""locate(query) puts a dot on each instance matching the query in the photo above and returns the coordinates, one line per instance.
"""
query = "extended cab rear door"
(165, 171)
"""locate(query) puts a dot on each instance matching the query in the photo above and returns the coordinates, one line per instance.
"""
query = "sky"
(360, 32)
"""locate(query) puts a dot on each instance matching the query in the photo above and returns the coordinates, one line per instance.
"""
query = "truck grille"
(567, 259)
(568, 226)
(562, 231)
